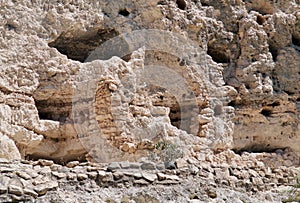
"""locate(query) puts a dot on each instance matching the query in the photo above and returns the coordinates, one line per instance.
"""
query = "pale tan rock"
(59, 175)
(71, 176)
(72, 164)
(92, 175)
(181, 163)
(49, 93)
(105, 177)
(263, 124)
(4, 184)
(30, 192)
(128, 147)
(101, 173)
(16, 190)
(81, 177)
(245, 49)
(8, 149)
(41, 189)
(23, 175)
(44, 162)
(40, 180)
(149, 177)
(162, 176)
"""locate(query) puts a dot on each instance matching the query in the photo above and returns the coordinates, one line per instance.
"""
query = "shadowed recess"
(274, 51)
(266, 112)
(78, 45)
(296, 41)
(218, 53)
(53, 110)
(181, 4)
(258, 149)
(124, 12)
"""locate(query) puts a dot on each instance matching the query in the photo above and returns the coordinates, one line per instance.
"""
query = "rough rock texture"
(164, 80)
(37, 82)
(251, 180)
(39, 91)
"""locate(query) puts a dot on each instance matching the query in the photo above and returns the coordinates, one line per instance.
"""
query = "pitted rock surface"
(64, 104)
(247, 56)
(32, 181)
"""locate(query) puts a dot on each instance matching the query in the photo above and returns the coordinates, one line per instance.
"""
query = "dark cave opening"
(266, 112)
(232, 103)
(124, 12)
(10, 27)
(218, 55)
(78, 45)
(260, 19)
(274, 51)
(276, 103)
(53, 110)
(60, 161)
(181, 4)
(296, 41)
(258, 149)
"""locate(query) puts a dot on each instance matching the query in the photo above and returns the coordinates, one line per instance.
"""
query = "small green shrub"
(166, 152)
(294, 194)
(297, 185)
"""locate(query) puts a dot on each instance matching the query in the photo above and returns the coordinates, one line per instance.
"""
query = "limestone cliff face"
(201, 74)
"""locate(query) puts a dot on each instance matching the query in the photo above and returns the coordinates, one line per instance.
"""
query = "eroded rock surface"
(37, 81)
(49, 83)
(250, 179)
(161, 80)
